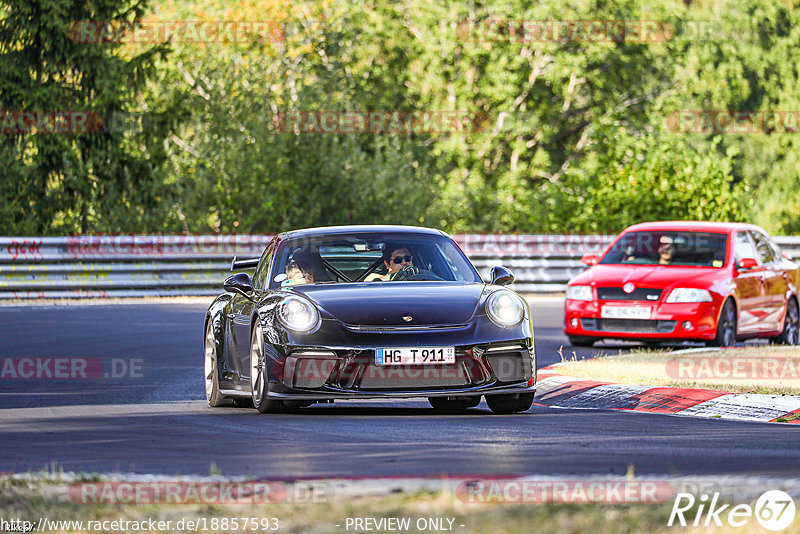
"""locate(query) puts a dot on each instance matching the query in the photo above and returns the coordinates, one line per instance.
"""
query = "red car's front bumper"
(678, 321)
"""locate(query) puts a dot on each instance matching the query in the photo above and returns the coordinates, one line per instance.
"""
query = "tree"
(73, 172)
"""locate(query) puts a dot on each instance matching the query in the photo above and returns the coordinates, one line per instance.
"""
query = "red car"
(698, 281)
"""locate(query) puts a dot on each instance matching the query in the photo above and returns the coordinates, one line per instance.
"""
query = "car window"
(263, 267)
(353, 257)
(776, 250)
(743, 247)
(765, 252)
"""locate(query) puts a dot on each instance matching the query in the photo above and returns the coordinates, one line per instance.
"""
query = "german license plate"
(415, 356)
(625, 312)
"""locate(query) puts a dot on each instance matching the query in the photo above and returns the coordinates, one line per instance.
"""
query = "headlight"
(689, 294)
(298, 314)
(505, 308)
(579, 292)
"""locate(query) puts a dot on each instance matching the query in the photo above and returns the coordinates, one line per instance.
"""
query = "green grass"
(31, 500)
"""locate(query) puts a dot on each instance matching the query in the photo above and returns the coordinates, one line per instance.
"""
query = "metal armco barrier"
(146, 266)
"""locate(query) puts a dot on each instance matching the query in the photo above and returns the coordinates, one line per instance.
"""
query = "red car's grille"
(645, 326)
(640, 293)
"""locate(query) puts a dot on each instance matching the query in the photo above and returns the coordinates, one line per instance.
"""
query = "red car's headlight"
(579, 292)
(688, 294)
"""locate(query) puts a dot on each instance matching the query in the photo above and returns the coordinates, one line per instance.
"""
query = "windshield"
(370, 257)
(699, 249)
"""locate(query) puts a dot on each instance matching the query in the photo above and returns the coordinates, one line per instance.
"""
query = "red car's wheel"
(791, 326)
(726, 326)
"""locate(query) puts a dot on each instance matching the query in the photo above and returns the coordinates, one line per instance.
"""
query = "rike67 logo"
(774, 510)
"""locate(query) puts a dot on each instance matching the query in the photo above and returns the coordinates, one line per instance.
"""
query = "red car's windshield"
(698, 249)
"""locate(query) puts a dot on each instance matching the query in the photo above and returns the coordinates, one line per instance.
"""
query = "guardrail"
(142, 266)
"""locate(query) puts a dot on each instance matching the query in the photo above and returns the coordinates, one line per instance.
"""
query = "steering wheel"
(410, 272)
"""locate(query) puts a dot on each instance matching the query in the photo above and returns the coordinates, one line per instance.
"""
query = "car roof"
(698, 226)
(332, 230)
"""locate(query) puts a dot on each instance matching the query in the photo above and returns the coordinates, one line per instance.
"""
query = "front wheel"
(726, 326)
(512, 403)
(213, 395)
(259, 383)
(791, 326)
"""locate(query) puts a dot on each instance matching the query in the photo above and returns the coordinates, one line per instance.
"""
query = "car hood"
(651, 276)
(386, 304)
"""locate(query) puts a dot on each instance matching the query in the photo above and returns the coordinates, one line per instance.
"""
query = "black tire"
(294, 406)
(211, 367)
(581, 341)
(791, 326)
(512, 403)
(726, 326)
(445, 405)
(259, 383)
(243, 402)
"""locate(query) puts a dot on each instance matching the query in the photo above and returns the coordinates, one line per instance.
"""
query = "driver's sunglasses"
(400, 259)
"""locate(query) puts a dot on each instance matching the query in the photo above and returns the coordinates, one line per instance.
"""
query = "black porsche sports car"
(356, 312)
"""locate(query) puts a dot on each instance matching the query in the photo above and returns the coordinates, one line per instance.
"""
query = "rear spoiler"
(237, 264)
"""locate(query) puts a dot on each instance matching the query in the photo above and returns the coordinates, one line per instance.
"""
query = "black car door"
(241, 313)
(239, 323)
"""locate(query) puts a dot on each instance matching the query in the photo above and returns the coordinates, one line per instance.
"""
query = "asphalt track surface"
(157, 421)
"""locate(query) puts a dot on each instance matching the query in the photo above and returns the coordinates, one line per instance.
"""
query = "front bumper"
(319, 373)
(458, 392)
(667, 321)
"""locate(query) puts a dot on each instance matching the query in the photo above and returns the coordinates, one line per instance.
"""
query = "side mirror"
(239, 283)
(502, 276)
(747, 263)
(589, 259)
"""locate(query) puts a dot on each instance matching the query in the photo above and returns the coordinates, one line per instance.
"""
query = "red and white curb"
(559, 391)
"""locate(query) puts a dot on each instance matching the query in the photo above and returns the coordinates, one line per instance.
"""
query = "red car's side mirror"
(747, 263)
(589, 259)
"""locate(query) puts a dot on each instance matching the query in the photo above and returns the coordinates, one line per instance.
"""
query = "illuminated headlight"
(579, 292)
(505, 308)
(689, 294)
(298, 314)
